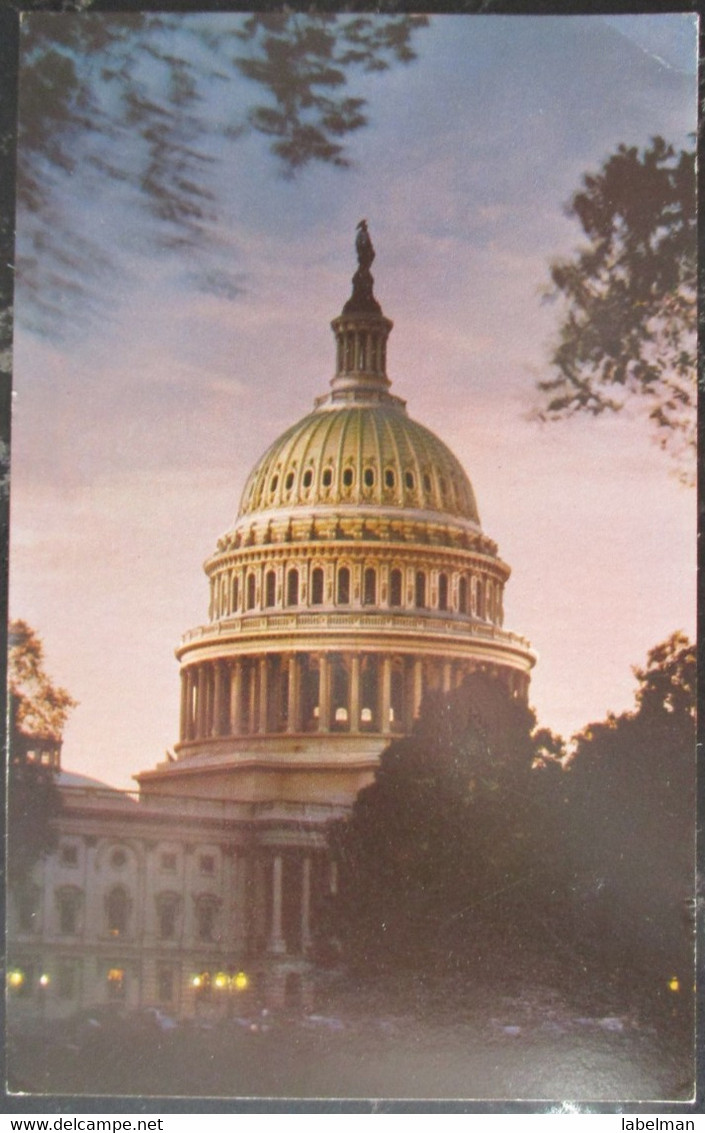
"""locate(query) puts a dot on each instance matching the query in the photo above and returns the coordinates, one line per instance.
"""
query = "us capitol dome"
(355, 577)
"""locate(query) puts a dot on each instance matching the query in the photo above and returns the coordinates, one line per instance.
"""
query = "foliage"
(142, 105)
(40, 708)
(449, 836)
(475, 835)
(34, 803)
(632, 829)
(629, 324)
(38, 713)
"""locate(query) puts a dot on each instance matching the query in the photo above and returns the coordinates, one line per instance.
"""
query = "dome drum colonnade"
(356, 577)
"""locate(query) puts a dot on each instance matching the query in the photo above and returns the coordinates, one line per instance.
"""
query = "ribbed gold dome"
(346, 454)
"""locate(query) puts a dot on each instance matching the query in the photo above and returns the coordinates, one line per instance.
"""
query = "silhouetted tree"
(449, 842)
(38, 713)
(631, 836)
(629, 327)
(139, 105)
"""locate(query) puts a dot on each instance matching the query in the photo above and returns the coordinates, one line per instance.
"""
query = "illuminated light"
(15, 978)
(220, 979)
(241, 981)
(674, 983)
(196, 981)
(44, 980)
(116, 975)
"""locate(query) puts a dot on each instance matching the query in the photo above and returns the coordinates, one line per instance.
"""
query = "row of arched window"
(368, 477)
(481, 599)
(118, 913)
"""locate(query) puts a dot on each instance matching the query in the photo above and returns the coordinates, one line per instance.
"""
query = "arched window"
(409, 480)
(420, 590)
(348, 476)
(308, 478)
(292, 588)
(389, 480)
(343, 586)
(206, 915)
(270, 588)
(369, 596)
(480, 599)
(167, 915)
(69, 900)
(27, 902)
(327, 478)
(289, 482)
(369, 477)
(317, 586)
(250, 592)
(463, 594)
(117, 907)
(443, 592)
(395, 588)
(234, 594)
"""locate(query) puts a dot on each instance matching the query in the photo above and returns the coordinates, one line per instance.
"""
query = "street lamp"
(44, 981)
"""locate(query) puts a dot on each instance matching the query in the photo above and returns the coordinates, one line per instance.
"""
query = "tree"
(632, 825)
(629, 323)
(138, 104)
(449, 837)
(40, 708)
(38, 712)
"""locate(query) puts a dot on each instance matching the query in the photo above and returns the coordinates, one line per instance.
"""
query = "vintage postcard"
(352, 579)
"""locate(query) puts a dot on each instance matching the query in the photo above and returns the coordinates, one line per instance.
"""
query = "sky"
(134, 430)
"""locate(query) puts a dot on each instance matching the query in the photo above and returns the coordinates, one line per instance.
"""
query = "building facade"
(355, 578)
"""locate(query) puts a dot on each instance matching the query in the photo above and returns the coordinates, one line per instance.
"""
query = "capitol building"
(355, 578)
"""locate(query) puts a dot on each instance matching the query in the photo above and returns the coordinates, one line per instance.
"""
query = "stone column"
(252, 695)
(276, 940)
(210, 690)
(447, 676)
(201, 703)
(263, 695)
(241, 913)
(306, 904)
(323, 693)
(418, 686)
(183, 714)
(354, 707)
(236, 698)
(293, 711)
(218, 698)
(192, 701)
(385, 695)
(407, 694)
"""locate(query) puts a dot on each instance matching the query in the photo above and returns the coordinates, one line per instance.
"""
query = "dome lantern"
(361, 332)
